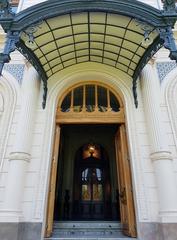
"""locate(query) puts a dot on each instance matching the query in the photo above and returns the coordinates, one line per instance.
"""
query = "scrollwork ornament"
(144, 26)
(44, 94)
(29, 34)
(10, 45)
(169, 5)
(148, 29)
(5, 9)
(169, 42)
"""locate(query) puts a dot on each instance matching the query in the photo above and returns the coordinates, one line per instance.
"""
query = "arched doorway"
(92, 184)
(91, 105)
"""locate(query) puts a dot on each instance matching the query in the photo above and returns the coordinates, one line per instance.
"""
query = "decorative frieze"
(163, 68)
(16, 70)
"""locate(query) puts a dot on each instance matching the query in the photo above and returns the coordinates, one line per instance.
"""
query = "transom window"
(90, 98)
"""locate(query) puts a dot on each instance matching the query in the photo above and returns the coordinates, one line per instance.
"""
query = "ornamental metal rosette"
(155, 26)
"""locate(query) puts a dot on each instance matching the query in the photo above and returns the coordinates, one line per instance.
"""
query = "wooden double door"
(85, 203)
(91, 203)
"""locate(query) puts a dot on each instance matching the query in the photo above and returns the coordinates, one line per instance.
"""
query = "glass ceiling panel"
(102, 37)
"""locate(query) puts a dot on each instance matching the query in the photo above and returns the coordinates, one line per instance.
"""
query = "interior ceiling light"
(91, 149)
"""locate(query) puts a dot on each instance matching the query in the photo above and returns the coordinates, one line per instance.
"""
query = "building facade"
(79, 149)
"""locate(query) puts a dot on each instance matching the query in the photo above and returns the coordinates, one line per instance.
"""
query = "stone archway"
(85, 116)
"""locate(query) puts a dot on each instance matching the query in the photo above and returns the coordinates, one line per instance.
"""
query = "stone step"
(87, 225)
(87, 233)
(88, 230)
(93, 238)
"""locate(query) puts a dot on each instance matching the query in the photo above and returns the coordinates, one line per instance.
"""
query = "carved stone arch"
(167, 81)
(58, 85)
(9, 91)
(99, 112)
(107, 86)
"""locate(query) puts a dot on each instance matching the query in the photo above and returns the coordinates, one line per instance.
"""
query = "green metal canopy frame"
(150, 19)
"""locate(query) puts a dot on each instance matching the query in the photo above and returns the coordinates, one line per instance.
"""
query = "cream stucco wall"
(37, 175)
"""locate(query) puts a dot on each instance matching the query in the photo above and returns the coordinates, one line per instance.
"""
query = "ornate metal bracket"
(5, 9)
(6, 18)
(11, 39)
(29, 55)
(12, 42)
(45, 89)
(169, 5)
(135, 95)
(29, 33)
(166, 35)
(166, 39)
(148, 29)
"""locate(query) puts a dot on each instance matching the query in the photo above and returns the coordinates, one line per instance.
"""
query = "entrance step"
(88, 230)
(82, 238)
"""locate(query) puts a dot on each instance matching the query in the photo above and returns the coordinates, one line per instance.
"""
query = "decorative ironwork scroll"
(169, 5)
(11, 39)
(5, 9)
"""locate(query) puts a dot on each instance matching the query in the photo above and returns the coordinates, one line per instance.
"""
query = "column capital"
(20, 156)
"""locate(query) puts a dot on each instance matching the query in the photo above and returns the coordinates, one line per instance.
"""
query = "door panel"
(125, 183)
(91, 203)
(52, 185)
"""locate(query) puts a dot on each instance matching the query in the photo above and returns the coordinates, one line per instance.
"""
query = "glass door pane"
(86, 185)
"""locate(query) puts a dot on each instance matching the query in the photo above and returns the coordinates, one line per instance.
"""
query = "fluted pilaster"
(160, 154)
(20, 155)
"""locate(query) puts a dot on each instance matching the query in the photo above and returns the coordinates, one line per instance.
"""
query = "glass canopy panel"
(90, 36)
